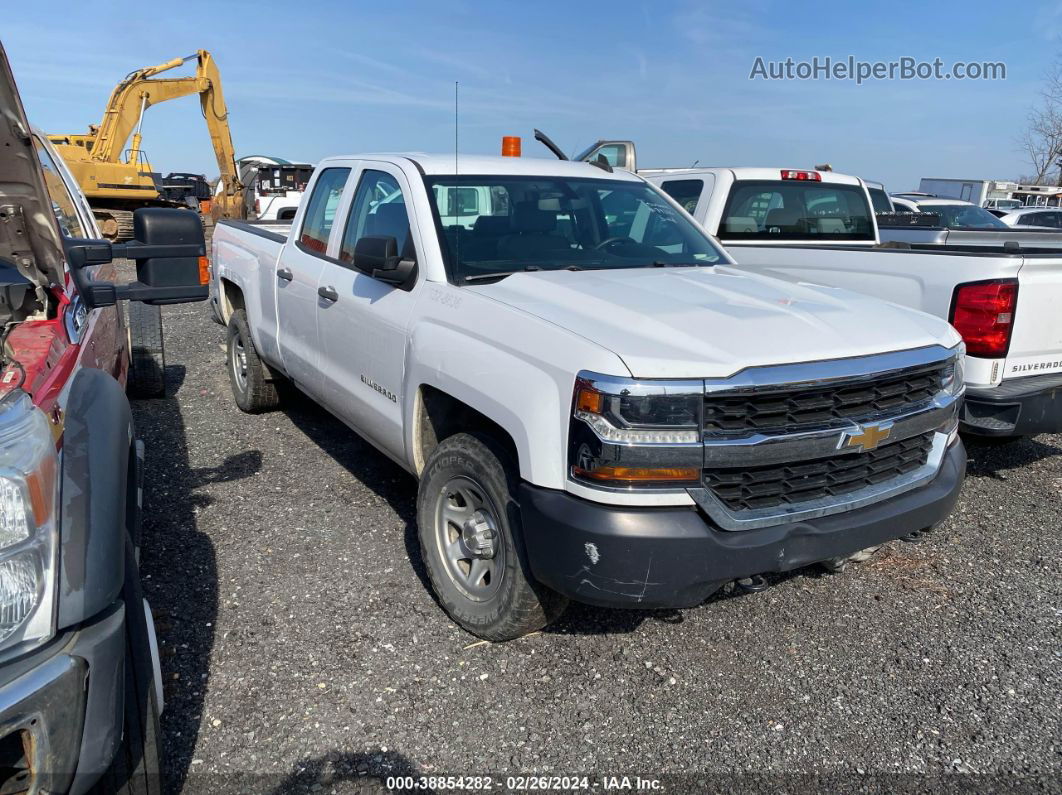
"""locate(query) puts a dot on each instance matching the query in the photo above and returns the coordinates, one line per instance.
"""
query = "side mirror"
(378, 257)
(170, 254)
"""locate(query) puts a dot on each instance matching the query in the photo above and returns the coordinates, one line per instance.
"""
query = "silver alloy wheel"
(238, 362)
(468, 539)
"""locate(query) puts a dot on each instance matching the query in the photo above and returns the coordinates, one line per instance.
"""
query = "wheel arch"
(230, 298)
(98, 449)
(437, 415)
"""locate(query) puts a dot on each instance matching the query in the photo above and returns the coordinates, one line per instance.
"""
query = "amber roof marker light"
(511, 146)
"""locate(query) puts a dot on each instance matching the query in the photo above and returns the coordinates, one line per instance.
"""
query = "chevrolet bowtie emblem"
(866, 438)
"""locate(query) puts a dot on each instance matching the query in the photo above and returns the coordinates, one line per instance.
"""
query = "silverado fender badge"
(867, 437)
(385, 392)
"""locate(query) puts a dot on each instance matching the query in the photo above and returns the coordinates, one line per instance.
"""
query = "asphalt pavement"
(303, 650)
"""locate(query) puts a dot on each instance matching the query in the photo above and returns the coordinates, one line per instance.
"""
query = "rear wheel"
(253, 385)
(147, 354)
(136, 768)
(471, 541)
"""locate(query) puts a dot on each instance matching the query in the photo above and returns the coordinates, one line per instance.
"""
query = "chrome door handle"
(328, 293)
(285, 274)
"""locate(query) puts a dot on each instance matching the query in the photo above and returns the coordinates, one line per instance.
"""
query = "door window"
(62, 202)
(686, 192)
(378, 210)
(321, 211)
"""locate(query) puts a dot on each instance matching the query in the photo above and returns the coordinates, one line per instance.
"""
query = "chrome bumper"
(64, 705)
(46, 707)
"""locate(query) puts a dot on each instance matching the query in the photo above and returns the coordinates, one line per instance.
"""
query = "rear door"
(1036, 342)
(298, 275)
(363, 328)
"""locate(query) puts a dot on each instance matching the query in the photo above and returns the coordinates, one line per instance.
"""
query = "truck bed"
(926, 280)
(277, 231)
(245, 253)
(1030, 240)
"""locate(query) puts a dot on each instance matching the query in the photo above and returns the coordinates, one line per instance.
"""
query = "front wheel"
(470, 538)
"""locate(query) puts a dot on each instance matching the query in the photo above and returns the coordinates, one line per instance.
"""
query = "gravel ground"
(303, 650)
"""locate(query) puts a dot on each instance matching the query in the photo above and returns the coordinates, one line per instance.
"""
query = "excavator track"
(115, 225)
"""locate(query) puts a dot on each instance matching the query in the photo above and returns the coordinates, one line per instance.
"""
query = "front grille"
(787, 409)
(778, 485)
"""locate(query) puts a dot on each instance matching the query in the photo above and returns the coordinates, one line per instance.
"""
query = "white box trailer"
(975, 191)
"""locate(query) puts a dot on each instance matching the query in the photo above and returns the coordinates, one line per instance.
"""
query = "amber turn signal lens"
(204, 271)
(41, 485)
(641, 474)
(590, 401)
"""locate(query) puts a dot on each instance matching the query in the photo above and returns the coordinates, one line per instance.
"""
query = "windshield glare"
(495, 225)
(963, 216)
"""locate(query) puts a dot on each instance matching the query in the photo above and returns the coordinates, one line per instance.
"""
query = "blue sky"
(319, 77)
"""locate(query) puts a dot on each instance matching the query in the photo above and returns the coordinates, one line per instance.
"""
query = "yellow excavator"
(117, 180)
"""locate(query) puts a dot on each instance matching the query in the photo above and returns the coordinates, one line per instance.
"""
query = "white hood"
(713, 322)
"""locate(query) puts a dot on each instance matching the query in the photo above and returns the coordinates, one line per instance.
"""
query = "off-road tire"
(147, 354)
(136, 767)
(521, 605)
(257, 392)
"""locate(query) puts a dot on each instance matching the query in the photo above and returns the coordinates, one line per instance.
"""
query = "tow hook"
(917, 536)
(754, 584)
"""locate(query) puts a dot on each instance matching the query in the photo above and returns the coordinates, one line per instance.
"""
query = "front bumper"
(62, 705)
(674, 557)
(1017, 407)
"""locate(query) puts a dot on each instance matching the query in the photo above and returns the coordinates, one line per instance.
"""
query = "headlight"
(955, 374)
(636, 434)
(28, 496)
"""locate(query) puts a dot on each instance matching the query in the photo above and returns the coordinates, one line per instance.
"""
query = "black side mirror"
(170, 254)
(156, 226)
(378, 257)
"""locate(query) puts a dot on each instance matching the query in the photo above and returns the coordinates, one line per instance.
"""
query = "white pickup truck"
(819, 227)
(597, 405)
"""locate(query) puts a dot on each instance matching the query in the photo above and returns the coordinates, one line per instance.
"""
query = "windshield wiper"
(662, 264)
(529, 269)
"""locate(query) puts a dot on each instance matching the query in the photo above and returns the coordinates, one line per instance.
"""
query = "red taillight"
(813, 176)
(983, 313)
(257, 207)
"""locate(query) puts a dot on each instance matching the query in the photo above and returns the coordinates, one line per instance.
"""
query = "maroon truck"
(80, 686)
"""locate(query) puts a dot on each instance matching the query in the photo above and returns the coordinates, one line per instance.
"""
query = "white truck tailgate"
(1036, 342)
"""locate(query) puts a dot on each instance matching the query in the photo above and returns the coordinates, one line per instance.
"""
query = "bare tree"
(1042, 139)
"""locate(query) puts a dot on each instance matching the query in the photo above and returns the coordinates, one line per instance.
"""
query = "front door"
(363, 330)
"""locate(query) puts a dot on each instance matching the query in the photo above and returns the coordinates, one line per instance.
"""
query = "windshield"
(780, 210)
(880, 200)
(491, 226)
(963, 216)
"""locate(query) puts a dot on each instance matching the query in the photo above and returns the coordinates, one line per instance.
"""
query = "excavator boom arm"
(141, 89)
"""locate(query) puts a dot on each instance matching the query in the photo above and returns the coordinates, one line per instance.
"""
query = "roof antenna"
(695, 162)
(452, 193)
